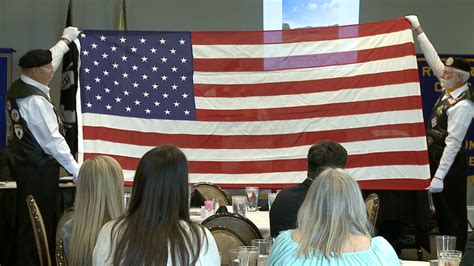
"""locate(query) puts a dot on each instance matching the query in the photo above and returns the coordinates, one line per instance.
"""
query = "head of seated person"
(156, 228)
(99, 199)
(332, 225)
(325, 153)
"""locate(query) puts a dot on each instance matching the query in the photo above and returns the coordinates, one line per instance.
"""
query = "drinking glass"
(450, 258)
(243, 256)
(252, 196)
(234, 257)
(264, 246)
(445, 243)
(271, 198)
(239, 205)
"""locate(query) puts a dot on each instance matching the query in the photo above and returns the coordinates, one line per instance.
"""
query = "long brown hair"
(157, 219)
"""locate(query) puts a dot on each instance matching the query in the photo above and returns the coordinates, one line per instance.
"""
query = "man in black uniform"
(36, 144)
(450, 120)
(285, 208)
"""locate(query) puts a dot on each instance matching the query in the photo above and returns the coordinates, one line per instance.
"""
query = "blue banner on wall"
(5, 81)
(430, 91)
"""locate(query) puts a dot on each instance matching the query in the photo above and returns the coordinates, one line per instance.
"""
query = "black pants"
(42, 183)
(450, 204)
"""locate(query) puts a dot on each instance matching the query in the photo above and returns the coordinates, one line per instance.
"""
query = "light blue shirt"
(379, 253)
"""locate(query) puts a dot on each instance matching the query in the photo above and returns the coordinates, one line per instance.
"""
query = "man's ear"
(35, 71)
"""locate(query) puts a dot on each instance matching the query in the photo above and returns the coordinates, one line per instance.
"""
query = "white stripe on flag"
(317, 98)
(302, 48)
(360, 174)
(301, 74)
(252, 128)
(242, 155)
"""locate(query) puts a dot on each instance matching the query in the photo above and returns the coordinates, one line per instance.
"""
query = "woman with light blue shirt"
(333, 228)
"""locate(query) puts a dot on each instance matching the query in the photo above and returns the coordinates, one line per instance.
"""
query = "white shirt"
(42, 121)
(459, 116)
(209, 255)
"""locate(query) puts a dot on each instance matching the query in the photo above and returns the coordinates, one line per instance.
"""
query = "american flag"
(246, 106)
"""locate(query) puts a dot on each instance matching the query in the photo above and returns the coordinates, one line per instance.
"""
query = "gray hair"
(464, 75)
(332, 210)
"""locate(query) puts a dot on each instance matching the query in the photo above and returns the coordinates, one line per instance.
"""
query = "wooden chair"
(243, 227)
(372, 205)
(39, 231)
(226, 240)
(211, 191)
(66, 216)
(60, 256)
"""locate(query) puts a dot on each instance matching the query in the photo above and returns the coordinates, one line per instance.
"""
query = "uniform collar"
(455, 94)
(32, 82)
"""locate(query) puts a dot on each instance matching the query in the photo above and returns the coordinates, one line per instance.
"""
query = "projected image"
(318, 13)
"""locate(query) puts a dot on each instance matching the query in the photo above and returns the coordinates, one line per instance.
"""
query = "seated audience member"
(285, 208)
(99, 199)
(156, 228)
(333, 228)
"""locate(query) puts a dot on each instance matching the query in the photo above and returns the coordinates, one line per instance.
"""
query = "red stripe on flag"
(292, 165)
(395, 184)
(309, 111)
(389, 184)
(304, 61)
(300, 35)
(297, 87)
(255, 141)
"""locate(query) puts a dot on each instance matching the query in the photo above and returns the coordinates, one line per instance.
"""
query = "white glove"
(413, 20)
(70, 33)
(436, 185)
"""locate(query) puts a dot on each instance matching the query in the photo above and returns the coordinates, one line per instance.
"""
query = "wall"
(30, 24)
(448, 24)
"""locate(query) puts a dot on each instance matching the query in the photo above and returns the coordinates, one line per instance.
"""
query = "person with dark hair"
(36, 146)
(156, 228)
(285, 208)
(448, 125)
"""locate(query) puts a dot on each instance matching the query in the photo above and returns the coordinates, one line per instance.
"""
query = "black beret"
(458, 63)
(36, 58)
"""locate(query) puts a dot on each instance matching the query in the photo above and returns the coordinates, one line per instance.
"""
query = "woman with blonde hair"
(156, 229)
(333, 228)
(99, 199)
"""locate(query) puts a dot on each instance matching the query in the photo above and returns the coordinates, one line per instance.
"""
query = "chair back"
(243, 227)
(372, 206)
(66, 216)
(211, 191)
(60, 256)
(39, 231)
(226, 240)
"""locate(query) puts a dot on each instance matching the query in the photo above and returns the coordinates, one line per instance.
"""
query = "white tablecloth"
(262, 220)
(12, 185)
